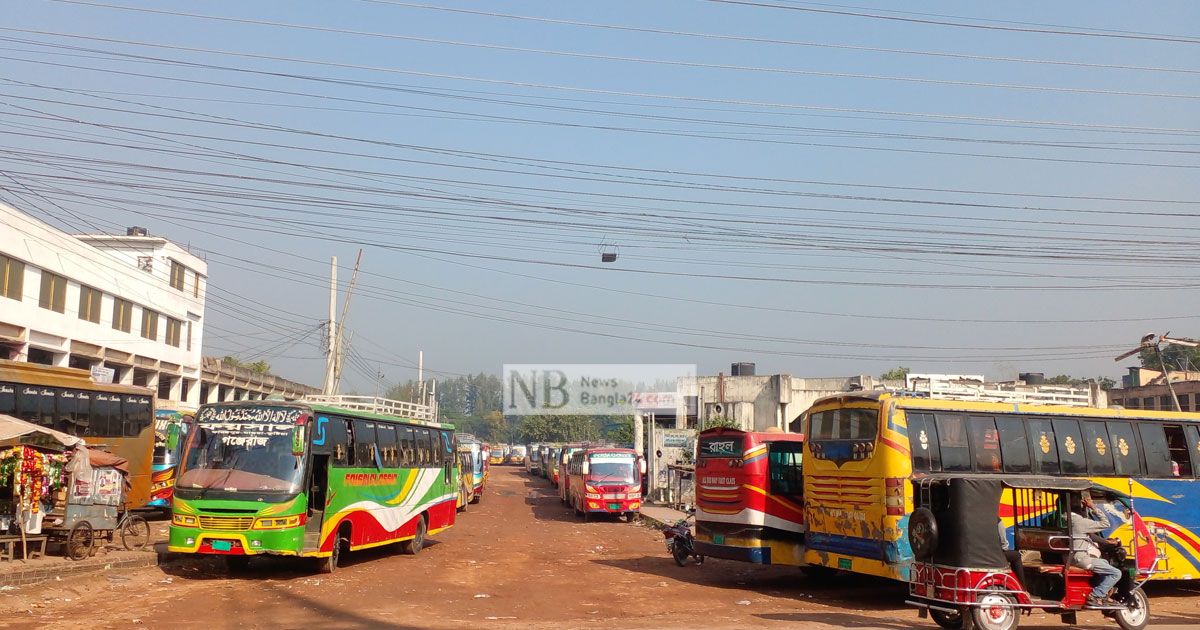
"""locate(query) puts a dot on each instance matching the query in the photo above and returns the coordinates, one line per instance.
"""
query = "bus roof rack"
(945, 387)
(373, 404)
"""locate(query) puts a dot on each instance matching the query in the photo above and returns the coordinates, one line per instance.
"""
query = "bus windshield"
(612, 470)
(242, 449)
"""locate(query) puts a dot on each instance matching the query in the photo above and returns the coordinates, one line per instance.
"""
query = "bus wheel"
(413, 546)
(329, 564)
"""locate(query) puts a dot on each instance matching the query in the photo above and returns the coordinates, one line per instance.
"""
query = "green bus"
(314, 479)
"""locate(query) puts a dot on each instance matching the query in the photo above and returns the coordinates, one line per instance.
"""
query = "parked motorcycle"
(680, 542)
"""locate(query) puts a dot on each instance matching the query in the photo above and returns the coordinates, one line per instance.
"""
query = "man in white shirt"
(1087, 520)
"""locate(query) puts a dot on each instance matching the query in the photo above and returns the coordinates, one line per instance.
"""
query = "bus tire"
(413, 545)
(330, 563)
(475, 498)
(923, 533)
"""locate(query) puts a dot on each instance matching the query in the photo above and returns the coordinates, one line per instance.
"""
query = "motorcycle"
(680, 542)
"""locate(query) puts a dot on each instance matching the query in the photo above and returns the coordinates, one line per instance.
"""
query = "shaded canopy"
(14, 431)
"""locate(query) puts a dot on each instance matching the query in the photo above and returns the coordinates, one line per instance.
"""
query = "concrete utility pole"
(331, 359)
(420, 390)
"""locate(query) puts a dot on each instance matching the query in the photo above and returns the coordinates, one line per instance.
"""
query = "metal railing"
(373, 404)
(963, 389)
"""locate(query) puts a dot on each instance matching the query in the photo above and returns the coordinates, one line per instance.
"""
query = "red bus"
(749, 496)
(606, 481)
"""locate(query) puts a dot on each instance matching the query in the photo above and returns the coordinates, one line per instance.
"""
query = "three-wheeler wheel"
(80, 541)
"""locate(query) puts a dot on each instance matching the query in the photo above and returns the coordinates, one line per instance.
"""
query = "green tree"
(258, 367)
(713, 422)
(1176, 357)
(895, 374)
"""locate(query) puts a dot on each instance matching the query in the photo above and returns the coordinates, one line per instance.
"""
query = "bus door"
(447, 456)
(329, 444)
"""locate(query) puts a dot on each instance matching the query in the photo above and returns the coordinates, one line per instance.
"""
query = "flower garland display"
(33, 475)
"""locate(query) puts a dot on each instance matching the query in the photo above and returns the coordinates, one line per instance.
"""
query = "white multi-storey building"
(133, 303)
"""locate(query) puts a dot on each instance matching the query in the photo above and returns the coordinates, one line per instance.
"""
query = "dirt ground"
(519, 559)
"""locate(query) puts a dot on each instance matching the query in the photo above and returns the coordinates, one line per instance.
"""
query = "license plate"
(719, 539)
(222, 545)
(614, 506)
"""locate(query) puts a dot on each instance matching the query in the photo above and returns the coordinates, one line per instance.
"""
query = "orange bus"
(118, 417)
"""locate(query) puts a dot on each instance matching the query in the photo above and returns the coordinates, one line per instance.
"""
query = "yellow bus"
(863, 450)
(119, 417)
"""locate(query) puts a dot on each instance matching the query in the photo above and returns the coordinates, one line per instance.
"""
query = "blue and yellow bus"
(864, 449)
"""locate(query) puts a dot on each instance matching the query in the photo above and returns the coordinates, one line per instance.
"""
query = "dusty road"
(517, 560)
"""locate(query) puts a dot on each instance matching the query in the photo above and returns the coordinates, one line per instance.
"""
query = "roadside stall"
(54, 487)
(33, 465)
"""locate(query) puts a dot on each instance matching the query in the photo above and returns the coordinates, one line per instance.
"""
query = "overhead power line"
(644, 60)
(957, 24)
(771, 40)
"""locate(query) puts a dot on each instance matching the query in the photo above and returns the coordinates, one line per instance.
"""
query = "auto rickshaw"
(963, 577)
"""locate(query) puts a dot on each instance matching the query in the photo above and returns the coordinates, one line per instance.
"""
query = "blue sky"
(762, 210)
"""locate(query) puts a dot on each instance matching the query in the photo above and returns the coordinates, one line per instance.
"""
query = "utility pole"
(328, 388)
(337, 365)
(333, 363)
(420, 392)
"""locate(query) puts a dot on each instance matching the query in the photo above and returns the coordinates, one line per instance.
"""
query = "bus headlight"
(183, 520)
(280, 522)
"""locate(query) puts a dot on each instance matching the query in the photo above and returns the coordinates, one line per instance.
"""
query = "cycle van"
(963, 577)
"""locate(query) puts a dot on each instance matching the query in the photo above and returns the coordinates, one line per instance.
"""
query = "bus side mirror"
(298, 440)
(584, 468)
(172, 437)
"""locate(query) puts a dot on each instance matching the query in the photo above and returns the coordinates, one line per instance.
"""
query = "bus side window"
(1154, 444)
(784, 459)
(338, 439)
(1127, 457)
(364, 442)
(1181, 455)
(447, 448)
(1043, 447)
(1070, 447)
(956, 455)
(423, 446)
(405, 436)
(8, 399)
(136, 412)
(385, 436)
(1098, 445)
(985, 443)
(923, 442)
(1014, 448)
(1193, 445)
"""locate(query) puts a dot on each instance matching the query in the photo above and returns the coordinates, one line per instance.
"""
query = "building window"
(122, 315)
(1185, 402)
(89, 304)
(149, 324)
(174, 330)
(196, 285)
(54, 292)
(1165, 403)
(12, 277)
(178, 272)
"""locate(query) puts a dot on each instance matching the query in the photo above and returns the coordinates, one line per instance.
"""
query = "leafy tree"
(1176, 357)
(895, 374)
(721, 422)
(258, 367)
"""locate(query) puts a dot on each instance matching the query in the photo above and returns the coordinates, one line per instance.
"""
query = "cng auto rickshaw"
(963, 576)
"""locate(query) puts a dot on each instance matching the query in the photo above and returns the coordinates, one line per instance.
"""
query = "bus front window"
(617, 472)
(213, 463)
